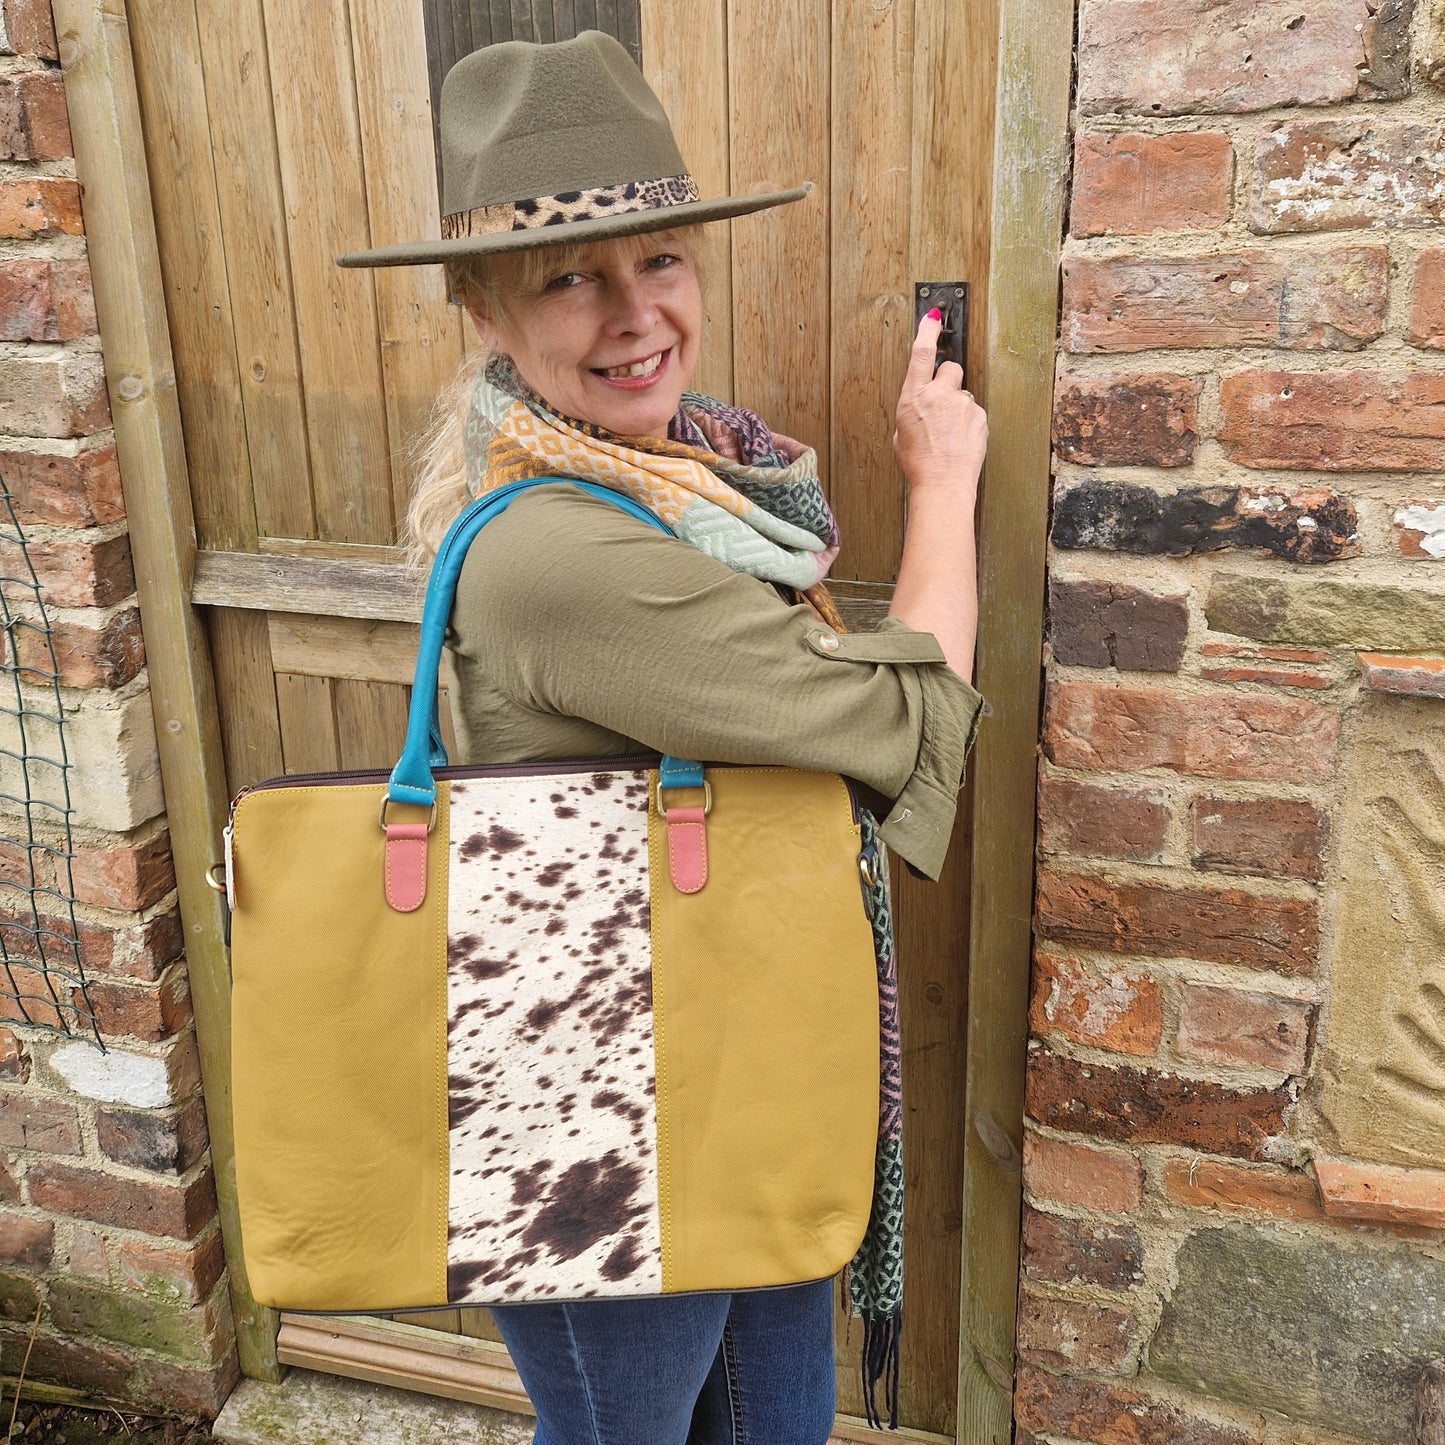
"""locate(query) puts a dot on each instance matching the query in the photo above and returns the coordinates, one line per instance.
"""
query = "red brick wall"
(1250, 383)
(108, 1223)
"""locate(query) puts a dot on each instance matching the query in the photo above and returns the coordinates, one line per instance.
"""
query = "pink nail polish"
(935, 315)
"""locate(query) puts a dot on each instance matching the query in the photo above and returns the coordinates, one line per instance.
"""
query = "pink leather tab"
(405, 866)
(687, 848)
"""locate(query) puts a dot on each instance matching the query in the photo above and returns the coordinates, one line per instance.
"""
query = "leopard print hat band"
(575, 129)
(569, 207)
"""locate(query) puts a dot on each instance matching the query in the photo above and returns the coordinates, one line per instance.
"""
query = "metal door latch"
(951, 298)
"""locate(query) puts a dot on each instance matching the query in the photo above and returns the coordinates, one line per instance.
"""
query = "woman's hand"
(940, 431)
(939, 437)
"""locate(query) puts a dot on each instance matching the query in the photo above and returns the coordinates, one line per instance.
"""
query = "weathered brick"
(70, 491)
(1238, 1026)
(1095, 727)
(88, 1257)
(1381, 1194)
(1406, 676)
(190, 1335)
(170, 1073)
(1146, 420)
(82, 653)
(26, 1242)
(1120, 1010)
(77, 572)
(1343, 175)
(185, 1390)
(1266, 837)
(1101, 822)
(1110, 1414)
(13, 1063)
(39, 207)
(1087, 1176)
(1335, 420)
(1237, 1189)
(1301, 301)
(1130, 185)
(1273, 654)
(1060, 1250)
(9, 1179)
(99, 1371)
(30, 1121)
(156, 1207)
(1363, 615)
(1146, 1106)
(1109, 624)
(1176, 57)
(1072, 1333)
(1304, 524)
(25, 993)
(34, 124)
(1175, 920)
(128, 876)
(1268, 677)
(180, 1274)
(53, 394)
(43, 300)
(138, 1011)
(1420, 529)
(167, 1143)
(26, 28)
(1427, 300)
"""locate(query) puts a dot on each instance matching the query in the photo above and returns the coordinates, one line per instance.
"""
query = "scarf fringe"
(882, 1334)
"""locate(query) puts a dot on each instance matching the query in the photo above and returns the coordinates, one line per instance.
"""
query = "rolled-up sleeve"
(919, 824)
(570, 608)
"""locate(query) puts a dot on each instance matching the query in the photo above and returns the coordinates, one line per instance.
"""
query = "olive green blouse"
(580, 631)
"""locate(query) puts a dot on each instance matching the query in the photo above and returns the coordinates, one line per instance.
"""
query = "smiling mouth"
(633, 369)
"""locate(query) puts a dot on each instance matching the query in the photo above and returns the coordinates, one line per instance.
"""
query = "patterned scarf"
(751, 498)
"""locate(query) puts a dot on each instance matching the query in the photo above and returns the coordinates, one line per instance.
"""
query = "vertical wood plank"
(243, 144)
(779, 103)
(370, 722)
(687, 66)
(318, 130)
(421, 343)
(100, 89)
(871, 306)
(246, 693)
(167, 49)
(1030, 164)
(956, 57)
(564, 18)
(308, 723)
(479, 1325)
(629, 28)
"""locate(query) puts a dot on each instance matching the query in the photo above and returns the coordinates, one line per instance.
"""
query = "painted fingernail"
(935, 315)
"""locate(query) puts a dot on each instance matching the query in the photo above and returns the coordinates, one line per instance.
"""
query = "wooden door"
(279, 134)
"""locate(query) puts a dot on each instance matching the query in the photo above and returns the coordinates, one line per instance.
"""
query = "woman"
(580, 631)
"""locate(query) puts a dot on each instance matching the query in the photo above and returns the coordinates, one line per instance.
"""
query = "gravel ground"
(67, 1425)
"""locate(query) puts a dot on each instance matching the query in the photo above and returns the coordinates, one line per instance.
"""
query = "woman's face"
(612, 341)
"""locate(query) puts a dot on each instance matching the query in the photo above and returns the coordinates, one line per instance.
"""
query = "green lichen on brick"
(178, 1334)
(1333, 1335)
(1327, 614)
(18, 1297)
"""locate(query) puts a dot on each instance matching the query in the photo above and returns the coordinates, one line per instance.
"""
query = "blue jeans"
(754, 1368)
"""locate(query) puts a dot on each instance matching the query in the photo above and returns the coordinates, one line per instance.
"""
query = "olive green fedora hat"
(546, 144)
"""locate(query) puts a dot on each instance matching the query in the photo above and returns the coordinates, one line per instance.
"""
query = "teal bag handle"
(411, 778)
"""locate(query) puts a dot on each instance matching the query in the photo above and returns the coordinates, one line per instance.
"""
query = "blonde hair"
(488, 287)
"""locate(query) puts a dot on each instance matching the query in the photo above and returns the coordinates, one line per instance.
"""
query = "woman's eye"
(664, 258)
(566, 281)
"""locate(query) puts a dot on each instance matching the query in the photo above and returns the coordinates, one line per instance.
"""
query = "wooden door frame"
(1031, 152)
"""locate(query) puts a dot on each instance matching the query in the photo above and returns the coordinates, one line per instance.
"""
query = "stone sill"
(1406, 676)
(1380, 1193)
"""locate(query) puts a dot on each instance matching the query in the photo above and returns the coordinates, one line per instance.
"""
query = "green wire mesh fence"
(42, 979)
